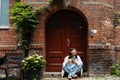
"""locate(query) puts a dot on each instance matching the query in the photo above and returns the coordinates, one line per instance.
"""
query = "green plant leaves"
(25, 20)
(116, 69)
(52, 2)
(33, 62)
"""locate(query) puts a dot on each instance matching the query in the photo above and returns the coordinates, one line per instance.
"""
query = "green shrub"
(33, 62)
(52, 2)
(115, 69)
(25, 20)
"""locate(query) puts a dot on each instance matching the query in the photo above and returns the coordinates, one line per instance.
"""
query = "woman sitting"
(72, 64)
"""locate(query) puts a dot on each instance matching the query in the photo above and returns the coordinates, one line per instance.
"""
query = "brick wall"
(100, 17)
(117, 43)
(102, 47)
(117, 29)
(100, 61)
(101, 57)
(8, 38)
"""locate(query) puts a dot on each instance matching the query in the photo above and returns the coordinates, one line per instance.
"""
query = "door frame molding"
(49, 15)
(72, 9)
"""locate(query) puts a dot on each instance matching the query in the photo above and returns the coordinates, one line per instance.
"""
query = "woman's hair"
(70, 54)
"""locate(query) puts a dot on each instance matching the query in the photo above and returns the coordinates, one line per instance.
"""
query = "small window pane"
(4, 13)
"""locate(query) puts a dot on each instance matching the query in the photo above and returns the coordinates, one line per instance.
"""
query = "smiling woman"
(4, 13)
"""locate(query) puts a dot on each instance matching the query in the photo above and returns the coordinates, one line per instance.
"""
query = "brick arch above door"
(70, 8)
(65, 29)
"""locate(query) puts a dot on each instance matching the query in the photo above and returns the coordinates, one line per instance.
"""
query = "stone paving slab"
(85, 78)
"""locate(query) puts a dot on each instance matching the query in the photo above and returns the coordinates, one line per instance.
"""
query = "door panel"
(78, 37)
(56, 46)
(64, 31)
(54, 43)
(54, 52)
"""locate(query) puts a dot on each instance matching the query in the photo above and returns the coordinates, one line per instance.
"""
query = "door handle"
(68, 42)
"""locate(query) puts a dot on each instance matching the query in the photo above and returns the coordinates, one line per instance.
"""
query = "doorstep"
(52, 78)
(52, 74)
(58, 74)
(84, 78)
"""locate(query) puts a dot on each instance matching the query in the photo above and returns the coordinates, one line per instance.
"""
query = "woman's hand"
(74, 62)
(69, 61)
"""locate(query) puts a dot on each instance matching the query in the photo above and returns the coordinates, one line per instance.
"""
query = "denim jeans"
(72, 71)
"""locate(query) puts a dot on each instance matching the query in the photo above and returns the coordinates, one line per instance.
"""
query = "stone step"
(52, 74)
(58, 74)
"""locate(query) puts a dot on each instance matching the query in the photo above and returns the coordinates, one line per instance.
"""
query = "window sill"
(4, 27)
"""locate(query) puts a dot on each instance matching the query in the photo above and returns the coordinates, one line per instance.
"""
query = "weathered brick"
(102, 47)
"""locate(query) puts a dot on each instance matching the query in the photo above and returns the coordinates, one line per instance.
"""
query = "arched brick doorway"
(65, 29)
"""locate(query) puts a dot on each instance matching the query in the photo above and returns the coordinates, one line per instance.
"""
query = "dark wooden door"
(64, 31)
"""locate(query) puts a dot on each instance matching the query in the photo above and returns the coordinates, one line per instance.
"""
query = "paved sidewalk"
(85, 78)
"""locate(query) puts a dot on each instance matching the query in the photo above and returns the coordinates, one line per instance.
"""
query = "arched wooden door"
(65, 29)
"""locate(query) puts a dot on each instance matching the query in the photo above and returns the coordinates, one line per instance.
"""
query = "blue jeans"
(72, 71)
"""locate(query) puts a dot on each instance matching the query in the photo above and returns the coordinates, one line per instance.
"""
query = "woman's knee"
(79, 68)
(65, 69)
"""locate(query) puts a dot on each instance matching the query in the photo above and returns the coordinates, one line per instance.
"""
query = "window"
(4, 14)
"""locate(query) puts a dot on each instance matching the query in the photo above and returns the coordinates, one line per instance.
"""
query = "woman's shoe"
(75, 76)
(69, 77)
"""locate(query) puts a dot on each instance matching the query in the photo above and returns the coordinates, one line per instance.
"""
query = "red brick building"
(89, 26)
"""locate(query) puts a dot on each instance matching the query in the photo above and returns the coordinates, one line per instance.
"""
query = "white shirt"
(71, 65)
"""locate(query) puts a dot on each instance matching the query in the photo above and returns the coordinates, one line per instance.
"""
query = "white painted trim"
(7, 46)
(98, 3)
(52, 72)
(38, 2)
(4, 27)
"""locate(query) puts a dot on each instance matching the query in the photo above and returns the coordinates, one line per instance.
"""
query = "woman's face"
(74, 52)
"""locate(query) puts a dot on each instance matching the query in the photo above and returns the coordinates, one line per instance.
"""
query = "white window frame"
(4, 25)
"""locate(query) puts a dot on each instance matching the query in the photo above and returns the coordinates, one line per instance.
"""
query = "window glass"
(4, 13)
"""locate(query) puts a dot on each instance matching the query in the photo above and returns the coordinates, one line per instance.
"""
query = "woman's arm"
(66, 61)
(79, 61)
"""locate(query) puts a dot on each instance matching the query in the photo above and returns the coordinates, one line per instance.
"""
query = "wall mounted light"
(93, 32)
